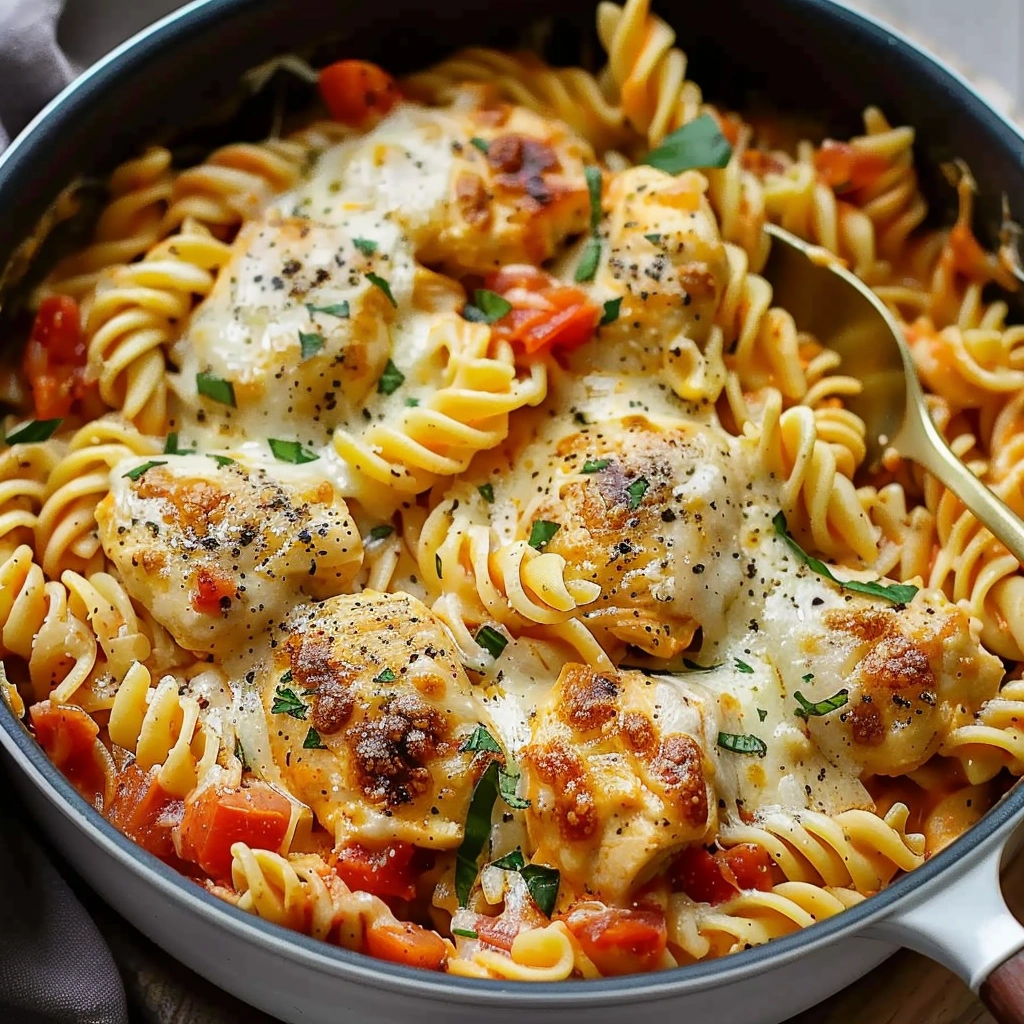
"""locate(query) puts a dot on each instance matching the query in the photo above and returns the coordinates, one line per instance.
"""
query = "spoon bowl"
(844, 314)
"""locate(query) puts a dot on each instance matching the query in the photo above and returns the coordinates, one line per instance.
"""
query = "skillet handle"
(1002, 991)
(965, 925)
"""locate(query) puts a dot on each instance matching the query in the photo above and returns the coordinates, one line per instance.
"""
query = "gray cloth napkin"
(55, 967)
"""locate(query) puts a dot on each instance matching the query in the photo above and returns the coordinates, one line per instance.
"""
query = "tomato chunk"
(143, 811)
(715, 878)
(213, 593)
(620, 941)
(55, 357)
(388, 871)
(358, 93)
(844, 167)
(750, 866)
(545, 314)
(402, 942)
(216, 819)
(68, 735)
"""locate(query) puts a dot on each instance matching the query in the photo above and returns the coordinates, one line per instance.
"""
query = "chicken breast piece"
(618, 777)
(219, 553)
(367, 706)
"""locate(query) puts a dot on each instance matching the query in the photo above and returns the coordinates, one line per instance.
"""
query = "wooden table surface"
(907, 989)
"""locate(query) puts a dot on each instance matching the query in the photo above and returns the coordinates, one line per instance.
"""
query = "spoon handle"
(921, 441)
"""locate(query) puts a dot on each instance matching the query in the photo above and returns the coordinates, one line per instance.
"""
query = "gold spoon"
(845, 315)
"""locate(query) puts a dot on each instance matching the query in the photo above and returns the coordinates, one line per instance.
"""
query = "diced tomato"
(620, 941)
(143, 811)
(358, 93)
(68, 735)
(388, 871)
(844, 167)
(216, 819)
(55, 357)
(402, 942)
(749, 866)
(497, 931)
(730, 125)
(545, 314)
(214, 591)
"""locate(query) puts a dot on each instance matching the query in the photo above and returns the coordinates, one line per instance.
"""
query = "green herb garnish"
(479, 739)
(694, 667)
(487, 493)
(654, 239)
(390, 380)
(465, 933)
(310, 343)
(742, 744)
(542, 884)
(595, 465)
(478, 828)
(171, 446)
(384, 676)
(412, 402)
(594, 181)
(379, 281)
(761, 714)
(541, 533)
(487, 307)
(34, 430)
(134, 474)
(339, 309)
(240, 755)
(491, 641)
(367, 246)
(382, 531)
(508, 782)
(514, 861)
(699, 144)
(291, 451)
(611, 312)
(221, 460)
(288, 702)
(898, 593)
(591, 257)
(816, 709)
(437, 566)
(636, 491)
(217, 388)
(742, 666)
(313, 741)
(482, 144)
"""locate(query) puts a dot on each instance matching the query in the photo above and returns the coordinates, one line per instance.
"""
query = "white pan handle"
(965, 925)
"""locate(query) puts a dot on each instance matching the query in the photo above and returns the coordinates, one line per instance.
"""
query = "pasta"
(423, 527)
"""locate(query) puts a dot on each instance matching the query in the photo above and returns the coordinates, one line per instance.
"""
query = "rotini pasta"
(425, 517)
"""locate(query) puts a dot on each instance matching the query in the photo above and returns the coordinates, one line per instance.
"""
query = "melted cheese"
(220, 553)
(376, 677)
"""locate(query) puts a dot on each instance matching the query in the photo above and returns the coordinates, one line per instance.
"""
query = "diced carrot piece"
(402, 942)
(143, 811)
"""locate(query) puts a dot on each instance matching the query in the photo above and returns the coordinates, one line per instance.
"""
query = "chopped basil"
(338, 309)
(34, 430)
(816, 709)
(171, 446)
(694, 667)
(699, 144)
(382, 531)
(491, 641)
(487, 307)
(808, 677)
(594, 181)
(287, 677)
(761, 714)
(367, 246)
(742, 666)
(742, 744)
(313, 741)
(437, 566)
(487, 493)
(221, 460)
(542, 884)
(587, 267)
(508, 782)
(479, 739)
(465, 933)
(898, 593)
(217, 388)
(541, 533)
(514, 861)
(390, 380)
(291, 451)
(311, 343)
(636, 491)
(384, 676)
(478, 828)
(482, 144)
(379, 281)
(611, 312)
(595, 465)
(654, 239)
(288, 702)
(134, 474)
(412, 402)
